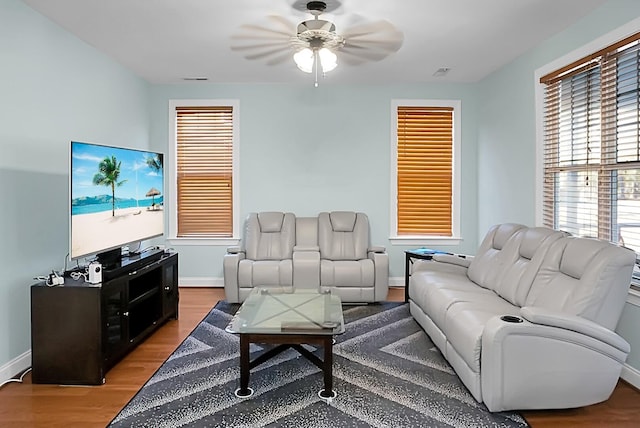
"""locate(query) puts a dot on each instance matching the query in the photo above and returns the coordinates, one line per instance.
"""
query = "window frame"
(595, 46)
(456, 238)
(172, 173)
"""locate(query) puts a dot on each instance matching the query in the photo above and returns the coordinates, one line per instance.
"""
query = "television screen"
(116, 197)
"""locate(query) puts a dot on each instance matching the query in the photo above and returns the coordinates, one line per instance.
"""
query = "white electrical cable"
(77, 275)
(19, 380)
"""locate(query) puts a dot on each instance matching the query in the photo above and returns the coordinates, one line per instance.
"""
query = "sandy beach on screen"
(93, 232)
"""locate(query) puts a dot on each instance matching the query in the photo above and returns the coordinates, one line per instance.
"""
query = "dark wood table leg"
(328, 368)
(244, 390)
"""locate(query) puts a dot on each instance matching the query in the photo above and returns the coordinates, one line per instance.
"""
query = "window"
(204, 141)
(425, 169)
(591, 171)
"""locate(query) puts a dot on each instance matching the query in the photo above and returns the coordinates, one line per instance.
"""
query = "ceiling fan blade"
(258, 31)
(346, 58)
(271, 39)
(282, 23)
(386, 46)
(267, 53)
(358, 56)
(358, 52)
(260, 46)
(371, 41)
(362, 27)
(286, 56)
(378, 29)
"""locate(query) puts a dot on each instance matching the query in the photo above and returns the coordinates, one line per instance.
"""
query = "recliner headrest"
(503, 233)
(271, 221)
(533, 239)
(343, 221)
(579, 253)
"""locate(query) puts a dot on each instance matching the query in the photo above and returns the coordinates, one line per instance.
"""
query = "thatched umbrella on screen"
(153, 192)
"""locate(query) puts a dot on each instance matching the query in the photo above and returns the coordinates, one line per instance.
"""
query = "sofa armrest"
(549, 360)
(234, 250)
(376, 249)
(230, 265)
(543, 316)
(381, 269)
(454, 259)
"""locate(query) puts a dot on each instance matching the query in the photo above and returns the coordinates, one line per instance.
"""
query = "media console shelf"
(80, 330)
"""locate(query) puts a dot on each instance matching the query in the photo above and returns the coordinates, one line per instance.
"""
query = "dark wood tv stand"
(80, 330)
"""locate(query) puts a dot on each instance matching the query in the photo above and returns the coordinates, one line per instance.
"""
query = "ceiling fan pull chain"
(315, 64)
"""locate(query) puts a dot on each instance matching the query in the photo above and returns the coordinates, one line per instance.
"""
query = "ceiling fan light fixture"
(328, 60)
(304, 60)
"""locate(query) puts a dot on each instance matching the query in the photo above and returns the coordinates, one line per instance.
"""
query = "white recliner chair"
(349, 266)
(265, 257)
(328, 252)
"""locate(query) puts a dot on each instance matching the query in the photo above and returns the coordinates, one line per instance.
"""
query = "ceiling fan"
(314, 44)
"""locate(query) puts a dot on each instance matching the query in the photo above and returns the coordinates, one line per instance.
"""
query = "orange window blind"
(204, 161)
(425, 167)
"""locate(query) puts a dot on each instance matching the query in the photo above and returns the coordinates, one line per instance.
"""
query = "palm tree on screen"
(108, 176)
(155, 163)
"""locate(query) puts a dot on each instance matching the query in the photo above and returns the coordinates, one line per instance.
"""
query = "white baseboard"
(15, 366)
(631, 375)
(396, 281)
(198, 281)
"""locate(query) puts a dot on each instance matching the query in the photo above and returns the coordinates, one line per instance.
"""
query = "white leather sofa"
(528, 323)
(328, 252)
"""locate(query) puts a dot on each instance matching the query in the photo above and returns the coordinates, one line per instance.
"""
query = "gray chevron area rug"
(386, 371)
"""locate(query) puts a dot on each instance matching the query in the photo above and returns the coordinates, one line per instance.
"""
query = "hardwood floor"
(28, 405)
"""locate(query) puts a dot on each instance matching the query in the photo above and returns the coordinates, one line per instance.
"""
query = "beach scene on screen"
(116, 197)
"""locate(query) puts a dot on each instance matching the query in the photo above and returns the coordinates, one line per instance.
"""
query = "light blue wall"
(54, 88)
(507, 139)
(307, 150)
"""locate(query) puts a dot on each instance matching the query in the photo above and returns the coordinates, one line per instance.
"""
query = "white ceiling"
(164, 41)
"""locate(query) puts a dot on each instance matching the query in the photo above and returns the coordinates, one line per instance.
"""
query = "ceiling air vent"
(442, 71)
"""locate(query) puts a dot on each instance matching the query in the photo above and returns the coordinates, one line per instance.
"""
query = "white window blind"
(591, 145)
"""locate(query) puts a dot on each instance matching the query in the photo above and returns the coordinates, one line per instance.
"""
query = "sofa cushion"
(265, 272)
(342, 221)
(485, 267)
(465, 323)
(347, 273)
(343, 235)
(521, 258)
(270, 222)
(270, 236)
(437, 291)
(584, 277)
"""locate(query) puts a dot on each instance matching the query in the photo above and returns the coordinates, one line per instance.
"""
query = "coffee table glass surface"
(286, 311)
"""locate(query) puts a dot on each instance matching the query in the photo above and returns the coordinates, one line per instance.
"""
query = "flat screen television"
(116, 199)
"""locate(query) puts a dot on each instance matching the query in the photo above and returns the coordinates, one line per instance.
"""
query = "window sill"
(215, 242)
(634, 293)
(425, 240)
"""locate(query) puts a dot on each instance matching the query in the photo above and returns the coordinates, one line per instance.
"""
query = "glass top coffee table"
(288, 319)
